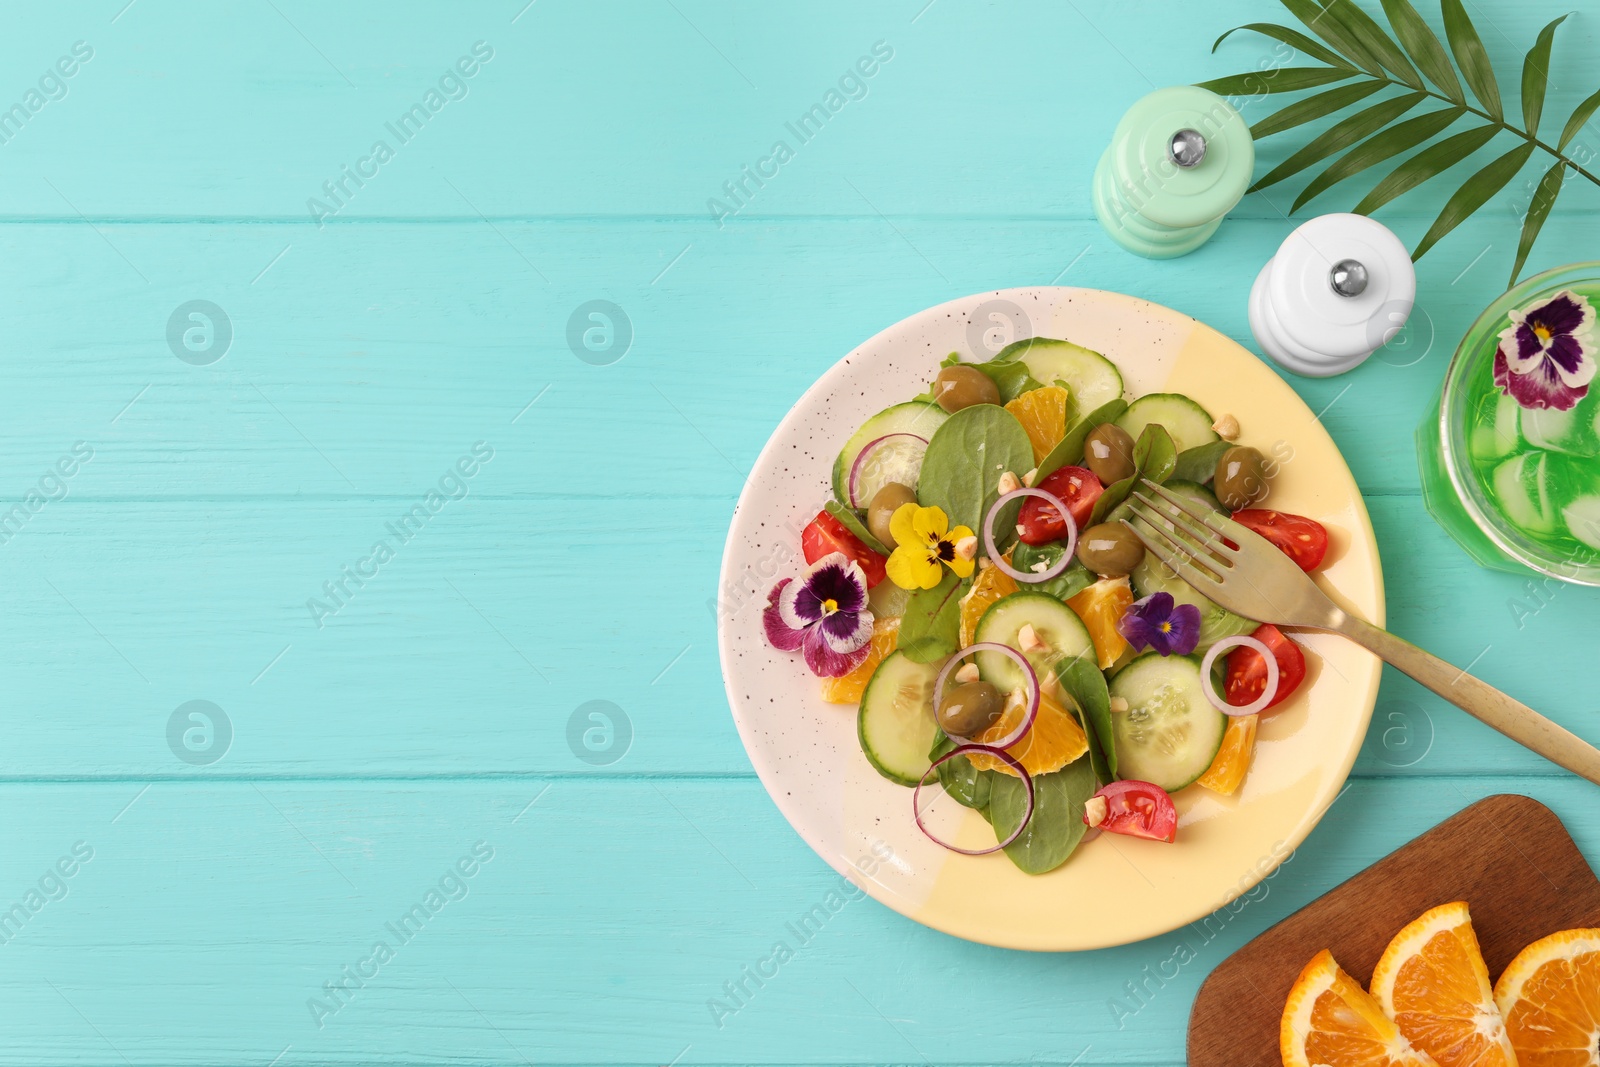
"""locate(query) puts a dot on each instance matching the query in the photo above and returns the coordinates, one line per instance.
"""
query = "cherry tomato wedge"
(826, 534)
(1138, 809)
(1303, 540)
(1078, 489)
(1247, 670)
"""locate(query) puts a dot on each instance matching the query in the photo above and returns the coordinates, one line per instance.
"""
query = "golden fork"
(1246, 574)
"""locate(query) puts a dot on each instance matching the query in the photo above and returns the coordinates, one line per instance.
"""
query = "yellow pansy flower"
(925, 546)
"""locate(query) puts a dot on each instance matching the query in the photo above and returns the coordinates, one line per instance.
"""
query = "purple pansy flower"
(824, 614)
(1546, 355)
(1157, 622)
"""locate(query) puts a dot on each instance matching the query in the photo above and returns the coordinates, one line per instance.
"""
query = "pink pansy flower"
(1546, 355)
(824, 614)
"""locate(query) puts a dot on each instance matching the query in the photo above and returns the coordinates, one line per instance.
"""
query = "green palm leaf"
(1342, 135)
(1473, 194)
(1314, 107)
(1544, 198)
(1294, 39)
(1471, 57)
(1390, 142)
(1424, 47)
(1535, 76)
(1331, 30)
(1433, 160)
(1580, 115)
(1360, 25)
(1282, 80)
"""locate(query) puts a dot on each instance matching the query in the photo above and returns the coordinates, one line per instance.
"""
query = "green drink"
(1511, 461)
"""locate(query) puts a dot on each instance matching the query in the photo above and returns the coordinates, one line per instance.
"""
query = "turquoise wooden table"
(297, 409)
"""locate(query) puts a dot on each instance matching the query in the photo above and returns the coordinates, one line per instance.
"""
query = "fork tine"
(1180, 561)
(1200, 538)
(1202, 516)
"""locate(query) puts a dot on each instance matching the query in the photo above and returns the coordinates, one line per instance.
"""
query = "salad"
(977, 591)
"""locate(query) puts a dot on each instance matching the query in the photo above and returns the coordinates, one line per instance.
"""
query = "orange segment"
(1330, 1021)
(1433, 983)
(847, 689)
(990, 585)
(1055, 740)
(1101, 607)
(1043, 413)
(1550, 999)
(1227, 771)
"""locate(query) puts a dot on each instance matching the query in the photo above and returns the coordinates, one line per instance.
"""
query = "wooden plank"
(609, 915)
(1507, 856)
(470, 650)
(366, 357)
(664, 105)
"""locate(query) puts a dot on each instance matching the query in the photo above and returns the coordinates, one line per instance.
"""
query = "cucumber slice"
(1170, 733)
(1582, 517)
(1057, 625)
(1187, 422)
(895, 722)
(1196, 492)
(1091, 378)
(1216, 622)
(1523, 485)
(915, 417)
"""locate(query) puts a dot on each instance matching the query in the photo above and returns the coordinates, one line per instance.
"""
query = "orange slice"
(1055, 740)
(1550, 999)
(1043, 413)
(847, 689)
(990, 585)
(1101, 607)
(1330, 1021)
(1433, 983)
(1227, 771)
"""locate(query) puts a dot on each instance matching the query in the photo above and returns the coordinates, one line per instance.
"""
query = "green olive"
(1108, 451)
(1241, 478)
(1110, 549)
(970, 708)
(885, 502)
(960, 386)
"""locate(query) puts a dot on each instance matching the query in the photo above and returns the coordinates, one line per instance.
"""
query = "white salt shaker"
(1338, 289)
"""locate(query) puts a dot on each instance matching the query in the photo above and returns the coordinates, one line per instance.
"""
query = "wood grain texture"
(431, 312)
(1509, 857)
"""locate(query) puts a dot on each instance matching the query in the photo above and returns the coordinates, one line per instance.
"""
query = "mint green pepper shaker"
(1179, 161)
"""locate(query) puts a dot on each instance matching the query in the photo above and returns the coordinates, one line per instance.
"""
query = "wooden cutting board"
(1507, 856)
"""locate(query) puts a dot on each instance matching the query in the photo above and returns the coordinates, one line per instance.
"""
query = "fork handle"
(1479, 699)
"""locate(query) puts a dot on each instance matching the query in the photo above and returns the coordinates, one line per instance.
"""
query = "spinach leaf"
(1081, 679)
(1070, 582)
(1057, 823)
(1199, 464)
(1154, 456)
(930, 628)
(961, 780)
(962, 466)
(851, 521)
(1069, 450)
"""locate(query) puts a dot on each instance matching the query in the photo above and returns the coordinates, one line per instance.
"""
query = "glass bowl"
(1454, 492)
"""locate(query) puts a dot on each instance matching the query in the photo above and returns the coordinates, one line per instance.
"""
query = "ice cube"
(1522, 486)
(1575, 432)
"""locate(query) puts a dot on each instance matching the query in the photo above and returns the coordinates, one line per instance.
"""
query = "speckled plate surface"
(1114, 890)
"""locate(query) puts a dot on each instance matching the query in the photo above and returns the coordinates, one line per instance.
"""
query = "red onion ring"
(862, 459)
(966, 750)
(1030, 577)
(1033, 689)
(1267, 694)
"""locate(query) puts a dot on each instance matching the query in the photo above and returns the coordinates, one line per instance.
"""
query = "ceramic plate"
(1113, 890)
